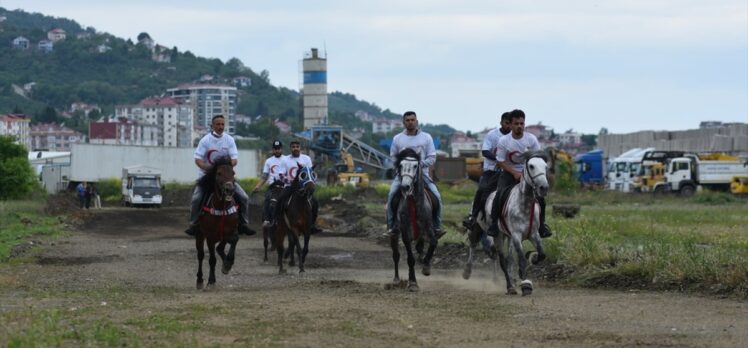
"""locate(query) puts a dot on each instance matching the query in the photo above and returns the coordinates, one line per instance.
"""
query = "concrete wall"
(731, 139)
(93, 162)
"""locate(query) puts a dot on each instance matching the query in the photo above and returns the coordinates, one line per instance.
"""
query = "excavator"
(345, 173)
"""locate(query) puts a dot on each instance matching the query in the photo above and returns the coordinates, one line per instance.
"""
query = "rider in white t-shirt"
(292, 163)
(212, 146)
(273, 172)
(511, 161)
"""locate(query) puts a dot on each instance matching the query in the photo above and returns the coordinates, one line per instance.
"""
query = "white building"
(55, 35)
(569, 138)
(46, 46)
(173, 119)
(16, 126)
(208, 100)
(21, 43)
(385, 125)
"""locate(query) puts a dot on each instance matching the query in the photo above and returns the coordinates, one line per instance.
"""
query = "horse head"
(219, 178)
(305, 180)
(535, 173)
(409, 167)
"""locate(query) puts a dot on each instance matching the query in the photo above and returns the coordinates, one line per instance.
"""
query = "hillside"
(76, 71)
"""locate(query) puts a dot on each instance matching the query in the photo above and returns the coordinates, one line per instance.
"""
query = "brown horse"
(295, 217)
(268, 232)
(219, 221)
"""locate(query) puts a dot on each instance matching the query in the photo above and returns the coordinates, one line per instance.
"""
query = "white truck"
(685, 174)
(623, 169)
(141, 186)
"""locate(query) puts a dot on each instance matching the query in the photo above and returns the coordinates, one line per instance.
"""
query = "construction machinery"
(346, 173)
(685, 174)
(739, 185)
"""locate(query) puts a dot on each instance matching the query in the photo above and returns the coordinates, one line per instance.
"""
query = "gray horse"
(414, 217)
(518, 219)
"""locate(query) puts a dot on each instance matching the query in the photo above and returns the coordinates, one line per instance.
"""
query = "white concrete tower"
(314, 91)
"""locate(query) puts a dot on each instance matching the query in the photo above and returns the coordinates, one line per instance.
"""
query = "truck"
(684, 175)
(141, 186)
(623, 169)
(589, 169)
(652, 169)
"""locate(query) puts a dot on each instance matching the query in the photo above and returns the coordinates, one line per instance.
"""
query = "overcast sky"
(625, 65)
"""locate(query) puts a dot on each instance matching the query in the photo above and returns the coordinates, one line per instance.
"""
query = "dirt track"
(342, 300)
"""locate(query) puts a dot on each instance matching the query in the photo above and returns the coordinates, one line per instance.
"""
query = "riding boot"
(544, 230)
(493, 231)
(439, 233)
(191, 230)
(244, 229)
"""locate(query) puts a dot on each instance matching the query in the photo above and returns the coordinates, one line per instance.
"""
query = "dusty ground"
(342, 300)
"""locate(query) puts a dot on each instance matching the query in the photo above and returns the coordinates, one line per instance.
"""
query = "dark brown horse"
(295, 217)
(219, 221)
(268, 232)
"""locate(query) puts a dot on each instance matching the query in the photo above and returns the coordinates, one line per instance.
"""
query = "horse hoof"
(526, 287)
(426, 270)
(511, 291)
(301, 271)
(532, 256)
(282, 271)
(265, 260)
(466, 273)
(413, 287)
(199, 286)
(225, 269)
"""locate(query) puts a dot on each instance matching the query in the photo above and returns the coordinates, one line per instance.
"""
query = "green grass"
(21, 219)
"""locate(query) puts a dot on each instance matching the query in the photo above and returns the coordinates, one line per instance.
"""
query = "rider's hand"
(516, 175)
(254, 190)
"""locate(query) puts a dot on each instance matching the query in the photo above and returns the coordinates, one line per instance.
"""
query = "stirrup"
(244, 229)
(545, 231)
(439, 233)
(191, 230)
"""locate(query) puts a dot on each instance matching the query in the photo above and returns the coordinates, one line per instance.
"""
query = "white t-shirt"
(421, 142)
(291, 164)
(275, 169)
(491, 143)
(212, 147)
(509, 149)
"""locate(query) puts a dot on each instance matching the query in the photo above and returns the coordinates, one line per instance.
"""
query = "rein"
(530, 182)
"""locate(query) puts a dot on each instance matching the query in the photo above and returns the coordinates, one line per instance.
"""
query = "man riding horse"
(291, 163)
(491, 170)
(423, 144)
(509, 157)
(273, 172)
(211, 147)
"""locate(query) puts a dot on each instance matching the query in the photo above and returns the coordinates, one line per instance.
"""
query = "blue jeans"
(393, 191)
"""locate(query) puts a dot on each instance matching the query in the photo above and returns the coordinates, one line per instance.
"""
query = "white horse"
(517, 220)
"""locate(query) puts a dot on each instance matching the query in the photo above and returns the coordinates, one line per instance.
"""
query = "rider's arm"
(506, 166)
(263, 180)
(234, 161)
(488, 154)
(429, 157)
(201, 164)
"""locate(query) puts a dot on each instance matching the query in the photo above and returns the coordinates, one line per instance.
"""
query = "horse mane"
(405, 153)
(208, 181)
(533, 154)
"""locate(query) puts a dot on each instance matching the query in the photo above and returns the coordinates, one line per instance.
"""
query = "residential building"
(541, 131)
(83, 36)
(55, 35)
(53, 137)
(242, 81)
(161, 54)
(46, 46)
(21, 43)
(569, 138)
(121, 131)
(84, 107)
(17, 126)
(173, 119)
(208, 100)
(385, 125)
(364, 116)
(283, 127)
(463, 145)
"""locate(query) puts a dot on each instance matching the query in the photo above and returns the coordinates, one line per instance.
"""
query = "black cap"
(277, 144)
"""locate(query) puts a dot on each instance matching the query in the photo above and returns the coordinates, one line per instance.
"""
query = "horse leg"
(290, 251)
(429, 255)
(265, 238)
(305, 250)
(506, 261)
(280, 235)
(412, 283)
(525, 284)
(229, 261)
(221, 251)
(419, 250)
(395, 258)
(472, 242)
(299, 251)
(212, 260)
(199, 245)
(538, 255)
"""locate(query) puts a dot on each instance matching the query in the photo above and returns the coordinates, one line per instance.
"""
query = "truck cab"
(141, 186)
(590, 168)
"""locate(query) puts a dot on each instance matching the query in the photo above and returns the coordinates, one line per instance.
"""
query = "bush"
(17, 178)
(714, 197)
(110, 189)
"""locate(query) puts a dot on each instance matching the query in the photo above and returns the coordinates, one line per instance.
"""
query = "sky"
(625, 65)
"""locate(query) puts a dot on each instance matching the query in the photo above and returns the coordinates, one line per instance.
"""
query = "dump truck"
(141, 186)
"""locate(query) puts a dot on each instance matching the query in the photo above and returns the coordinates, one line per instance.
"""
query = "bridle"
(409, 168)
(526, 174)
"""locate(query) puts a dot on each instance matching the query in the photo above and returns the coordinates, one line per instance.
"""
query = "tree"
(16, 176)
(48, 115)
